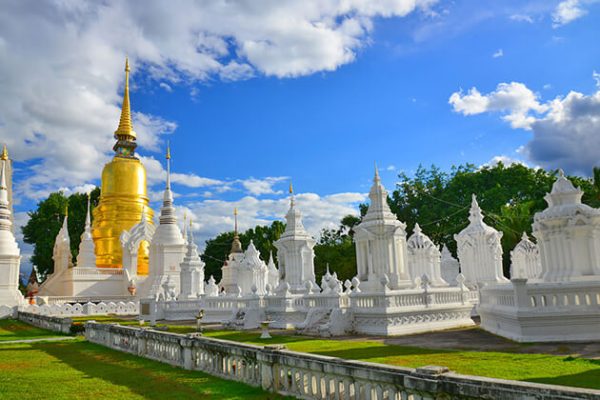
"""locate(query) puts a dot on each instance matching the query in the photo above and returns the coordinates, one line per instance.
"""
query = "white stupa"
(10, 255)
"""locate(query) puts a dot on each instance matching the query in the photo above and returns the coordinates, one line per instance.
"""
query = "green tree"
(217, 249)
(45, 222)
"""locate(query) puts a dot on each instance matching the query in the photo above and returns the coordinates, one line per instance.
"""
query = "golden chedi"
(123, 196)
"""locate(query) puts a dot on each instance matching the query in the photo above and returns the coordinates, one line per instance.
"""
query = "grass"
(11, 329)
(83, 370)
(540, 368)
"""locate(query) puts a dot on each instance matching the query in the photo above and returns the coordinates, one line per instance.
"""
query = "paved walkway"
(48, 339)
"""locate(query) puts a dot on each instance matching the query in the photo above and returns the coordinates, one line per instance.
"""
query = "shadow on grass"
(147, 378)
(378, 352)
(587, 379)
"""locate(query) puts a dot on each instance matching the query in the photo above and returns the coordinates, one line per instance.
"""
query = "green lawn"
(83, 370)
(11, 329)
(540, 368)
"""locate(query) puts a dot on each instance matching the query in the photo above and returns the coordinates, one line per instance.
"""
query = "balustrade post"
(186, 351)
(520, 292)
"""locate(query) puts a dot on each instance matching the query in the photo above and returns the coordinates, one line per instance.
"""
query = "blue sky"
(251, 96)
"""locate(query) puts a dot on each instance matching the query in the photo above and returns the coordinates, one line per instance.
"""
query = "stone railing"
(81, 299)
(81, 271)
(536, 295)
(413, 298)
(55, 324)
(316, 377)
(84, 309)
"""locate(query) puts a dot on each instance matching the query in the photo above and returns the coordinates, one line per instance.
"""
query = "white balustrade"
(312, 376)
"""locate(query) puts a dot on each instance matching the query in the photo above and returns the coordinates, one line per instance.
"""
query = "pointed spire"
(125, 126)
(475, 214)
(291, 190)
(4, 155)
(417, 229)
(168, 158)
(87, 215)
(167, 211)
(236, 245)
(185, 225)
(5, 220)
(376, 179)
(235, 214)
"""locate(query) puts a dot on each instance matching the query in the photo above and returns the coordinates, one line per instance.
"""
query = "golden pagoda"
(123, 196)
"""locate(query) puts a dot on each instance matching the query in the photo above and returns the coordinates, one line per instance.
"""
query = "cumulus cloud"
(262, 186)
(498, 53)
(565, 129)
(62, 68)
(515, 100)
(504, 159)
(212, 217)
(568, 11)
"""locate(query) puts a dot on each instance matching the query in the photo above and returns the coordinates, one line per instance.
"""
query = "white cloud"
(565, 129)
(166, 86)
(212, 217)
(258, 187)
(499, 53)
(391, 168)
(521, 18)
(567, 11)
(62, 65)
(504, 159)
(514, 99)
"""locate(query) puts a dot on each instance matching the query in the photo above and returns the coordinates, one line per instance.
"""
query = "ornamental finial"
(4, 155)
(125, 129)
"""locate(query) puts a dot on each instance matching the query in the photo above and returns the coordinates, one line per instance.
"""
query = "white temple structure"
(525, 260)
(295, 252)
(192, 271)
(562, 303)
(86, 257)
(450, 266)
(243, 273)
(480, 250)
(381, 245)
(424, 258)
(10, 255)
(386, 299)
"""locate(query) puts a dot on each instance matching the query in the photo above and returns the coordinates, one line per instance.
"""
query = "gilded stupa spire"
(4, 155)
(125, 134)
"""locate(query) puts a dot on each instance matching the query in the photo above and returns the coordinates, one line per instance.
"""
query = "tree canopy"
(45, 222)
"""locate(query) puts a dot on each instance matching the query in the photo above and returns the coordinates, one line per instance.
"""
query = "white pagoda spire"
(167, 211)
(61, 255)
(294, 225)
(10, 258)
(8, 244)
(378, 207)
(87, 255)
(192, 269)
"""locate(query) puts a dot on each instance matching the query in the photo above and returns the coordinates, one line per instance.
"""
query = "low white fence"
(316, 377)
(87, 309)
(55, 324)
